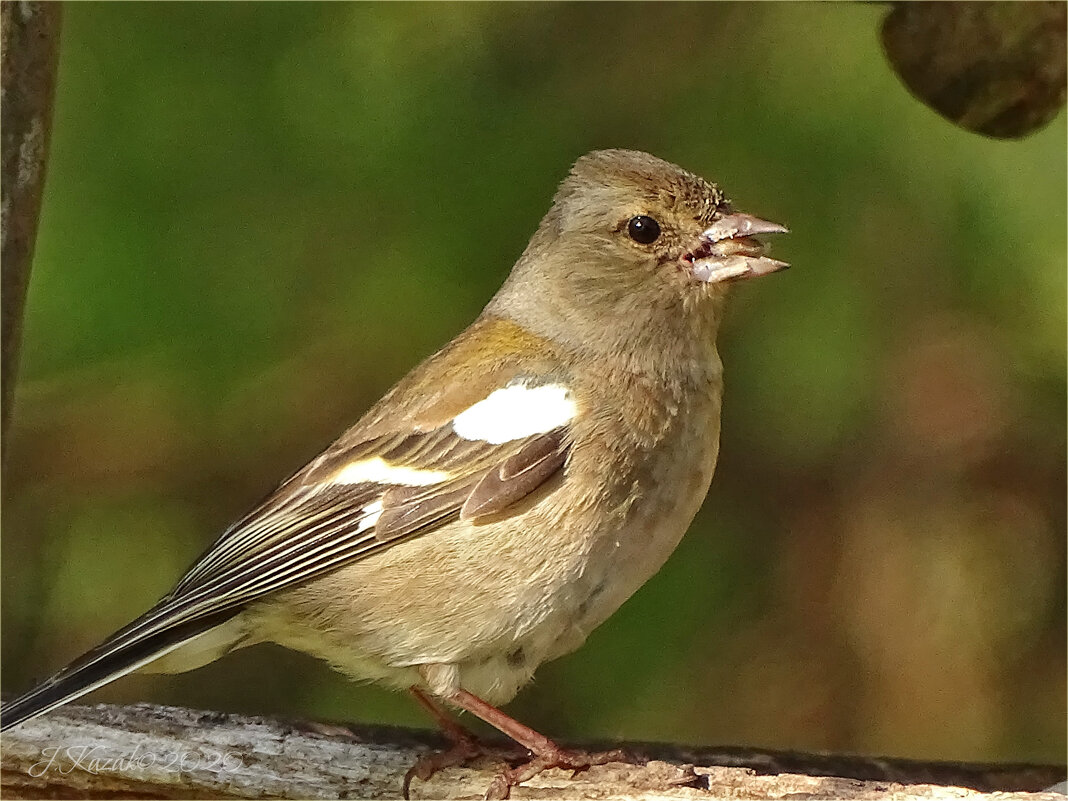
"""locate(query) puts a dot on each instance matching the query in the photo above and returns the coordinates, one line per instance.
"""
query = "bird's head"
(635, 245)
(627, 210)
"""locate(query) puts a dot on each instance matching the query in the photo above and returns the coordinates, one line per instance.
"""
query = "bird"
(505, 497)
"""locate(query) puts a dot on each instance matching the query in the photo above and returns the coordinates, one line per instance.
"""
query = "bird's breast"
(650, 490)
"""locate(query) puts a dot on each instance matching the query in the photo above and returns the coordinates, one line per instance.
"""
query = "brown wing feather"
(409, 517)
(517, 476)
(479, 493)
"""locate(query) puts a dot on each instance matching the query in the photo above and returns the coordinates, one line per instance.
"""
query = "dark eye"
(643, 229)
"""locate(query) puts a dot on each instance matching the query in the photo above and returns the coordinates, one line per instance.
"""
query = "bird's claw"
(463, 750)
(575, 761)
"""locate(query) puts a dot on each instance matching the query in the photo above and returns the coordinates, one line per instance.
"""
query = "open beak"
(728, 251)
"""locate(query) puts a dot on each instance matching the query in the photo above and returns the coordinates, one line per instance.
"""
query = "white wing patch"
(373, 511)
(378, 471)
(515, 412)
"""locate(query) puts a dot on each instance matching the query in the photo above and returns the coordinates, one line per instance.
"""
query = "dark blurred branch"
(29, 51)
(164, 752)
(994, 68)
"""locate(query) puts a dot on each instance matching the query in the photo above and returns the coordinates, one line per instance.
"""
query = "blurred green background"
(259, 216)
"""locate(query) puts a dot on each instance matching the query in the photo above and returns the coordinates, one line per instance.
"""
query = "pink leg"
(546, 753)
(453, 730)
(465, 746)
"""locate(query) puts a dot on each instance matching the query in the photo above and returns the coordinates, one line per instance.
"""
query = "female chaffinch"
(506, 496)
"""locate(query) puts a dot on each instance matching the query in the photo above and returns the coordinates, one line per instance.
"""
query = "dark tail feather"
(108, 661)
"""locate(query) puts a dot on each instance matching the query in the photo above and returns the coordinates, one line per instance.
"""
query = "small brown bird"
(506, 496)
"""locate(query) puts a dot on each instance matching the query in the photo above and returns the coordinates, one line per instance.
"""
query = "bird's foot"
(465, 747)
(551, 757)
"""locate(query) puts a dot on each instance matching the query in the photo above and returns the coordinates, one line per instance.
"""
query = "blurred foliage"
(259, 216)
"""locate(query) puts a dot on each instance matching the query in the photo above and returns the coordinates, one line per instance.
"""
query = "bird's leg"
(464, 745)
(546, 753)
(449, 725)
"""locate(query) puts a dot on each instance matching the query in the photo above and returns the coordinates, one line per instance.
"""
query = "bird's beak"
(728, 252)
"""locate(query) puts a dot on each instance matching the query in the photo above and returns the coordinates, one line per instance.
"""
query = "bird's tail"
(123, 652)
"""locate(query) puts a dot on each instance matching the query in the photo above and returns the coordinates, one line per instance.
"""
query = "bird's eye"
(643, 229)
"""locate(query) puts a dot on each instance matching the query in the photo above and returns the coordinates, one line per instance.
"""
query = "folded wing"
(361, 496)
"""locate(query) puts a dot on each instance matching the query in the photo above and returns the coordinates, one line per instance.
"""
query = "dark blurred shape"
(994, 68)
(30, 47)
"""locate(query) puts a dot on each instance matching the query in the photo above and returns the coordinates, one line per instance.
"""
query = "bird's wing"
(485, 437)
(489, 433)
(466, 435)
(389, 489)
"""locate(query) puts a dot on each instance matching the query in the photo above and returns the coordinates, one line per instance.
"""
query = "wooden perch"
(149, 751)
